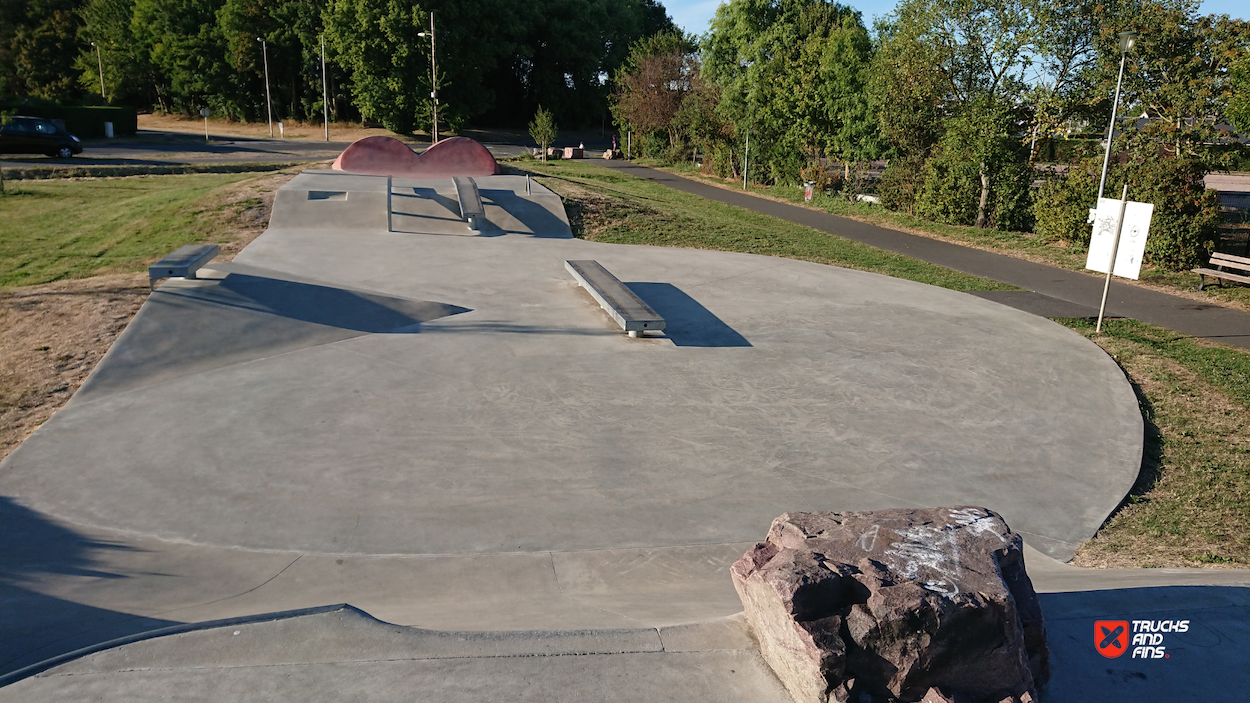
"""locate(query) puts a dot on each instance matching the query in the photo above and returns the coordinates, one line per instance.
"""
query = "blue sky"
(694, 15)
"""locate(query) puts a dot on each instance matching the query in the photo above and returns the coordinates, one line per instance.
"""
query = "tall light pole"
(264, 50)
(100, 63)
(325, 100)
(433, 75)
(1127, 41)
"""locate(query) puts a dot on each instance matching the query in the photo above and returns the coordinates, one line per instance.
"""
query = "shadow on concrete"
(198, 326)
(537, 219)
(1208, 662)
(34, 626)
(687, 323)
(450, 204)
(324, 305)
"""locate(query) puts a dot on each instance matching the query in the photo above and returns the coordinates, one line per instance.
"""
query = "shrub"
(653, 145)
(1061, 208)
(951, 192)
(1184, 227)
(900, 184)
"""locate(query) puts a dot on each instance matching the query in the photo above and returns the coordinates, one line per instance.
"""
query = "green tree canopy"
(792, 73)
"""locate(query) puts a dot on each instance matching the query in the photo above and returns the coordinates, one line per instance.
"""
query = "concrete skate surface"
(440, 428)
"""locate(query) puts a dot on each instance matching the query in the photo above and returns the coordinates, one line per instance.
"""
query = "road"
(164, 148)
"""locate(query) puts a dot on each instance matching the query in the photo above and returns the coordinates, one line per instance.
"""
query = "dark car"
(35, 135)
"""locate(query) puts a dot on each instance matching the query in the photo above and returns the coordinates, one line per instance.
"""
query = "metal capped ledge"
(633, 315)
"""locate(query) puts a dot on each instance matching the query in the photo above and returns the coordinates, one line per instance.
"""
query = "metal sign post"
(389, 228)
(325, 99)
(746, 159)
(1115, 249)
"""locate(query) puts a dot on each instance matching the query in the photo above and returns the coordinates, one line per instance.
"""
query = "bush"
(900, 184)
(83, 121)
(724, 161)
(951, 190)
(1184, 228)
(1061, 208)
(653, 145)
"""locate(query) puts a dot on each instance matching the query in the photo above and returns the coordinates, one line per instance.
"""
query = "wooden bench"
(471, 209)
(633, 315)
(182, 263)
(1220, 263)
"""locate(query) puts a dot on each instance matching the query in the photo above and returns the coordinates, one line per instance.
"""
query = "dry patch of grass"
(1191, 503)
(53, 334)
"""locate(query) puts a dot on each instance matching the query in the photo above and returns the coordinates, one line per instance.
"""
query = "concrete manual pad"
(443, 429)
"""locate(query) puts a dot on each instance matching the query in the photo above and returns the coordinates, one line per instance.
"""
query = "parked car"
(35, 135)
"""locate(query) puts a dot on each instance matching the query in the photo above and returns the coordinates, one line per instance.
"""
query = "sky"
(693, 15)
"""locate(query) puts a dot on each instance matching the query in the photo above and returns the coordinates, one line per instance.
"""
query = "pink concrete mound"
(385, 156)
(895, 606)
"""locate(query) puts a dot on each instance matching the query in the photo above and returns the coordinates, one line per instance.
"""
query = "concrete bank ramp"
(351, 203)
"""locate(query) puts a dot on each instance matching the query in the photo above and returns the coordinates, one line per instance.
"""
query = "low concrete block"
(895, 605)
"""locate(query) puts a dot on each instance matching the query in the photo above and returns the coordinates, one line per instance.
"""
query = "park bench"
(471, 209)
(182, 263)
(1220, 263)
(633, 315)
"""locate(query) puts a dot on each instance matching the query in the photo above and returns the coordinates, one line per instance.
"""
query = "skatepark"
(432, 443)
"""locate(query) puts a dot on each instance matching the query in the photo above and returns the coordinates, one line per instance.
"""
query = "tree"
(792, 74)
(652, 82)
(38, 45)
(967, 60)
(129, 75)
(389, 64)
(1178, 74)
(1239, 100)
(543, 129)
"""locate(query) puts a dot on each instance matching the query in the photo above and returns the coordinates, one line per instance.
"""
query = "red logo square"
(1111, 637)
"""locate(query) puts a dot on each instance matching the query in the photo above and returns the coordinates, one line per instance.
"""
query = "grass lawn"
(61, 229)
(1191, 503)
(608, 206)
(1024, 245)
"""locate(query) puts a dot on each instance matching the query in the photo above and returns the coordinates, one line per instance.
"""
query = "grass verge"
(1191, 503)
(65, 229)
(1023, 245)
(607, 206)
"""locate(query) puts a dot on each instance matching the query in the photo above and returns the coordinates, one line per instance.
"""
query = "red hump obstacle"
(386, 156)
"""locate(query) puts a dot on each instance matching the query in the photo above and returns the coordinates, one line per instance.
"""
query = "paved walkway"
(1077, 289)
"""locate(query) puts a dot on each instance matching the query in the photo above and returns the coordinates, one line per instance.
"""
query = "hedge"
(84, 122)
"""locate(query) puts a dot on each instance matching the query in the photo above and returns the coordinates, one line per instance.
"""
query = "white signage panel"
(1132, 237)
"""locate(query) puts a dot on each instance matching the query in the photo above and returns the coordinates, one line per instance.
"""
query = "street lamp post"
(264, 50)
(100, 63)
(433, 76)
(325, 100)
(1127, 41)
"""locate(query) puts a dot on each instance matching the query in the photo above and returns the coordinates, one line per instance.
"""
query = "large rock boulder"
(895, 605)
